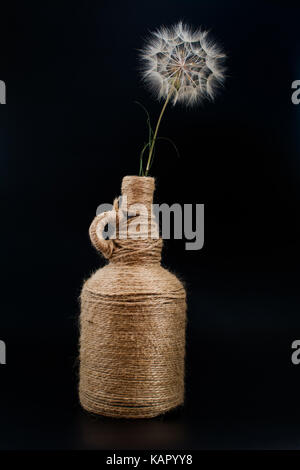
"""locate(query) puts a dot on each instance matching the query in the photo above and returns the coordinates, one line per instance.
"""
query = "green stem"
(156, 131)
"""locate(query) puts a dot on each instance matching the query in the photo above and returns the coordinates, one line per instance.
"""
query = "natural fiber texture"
(133, 315)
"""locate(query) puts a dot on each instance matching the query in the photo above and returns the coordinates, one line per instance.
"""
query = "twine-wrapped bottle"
(133, 316)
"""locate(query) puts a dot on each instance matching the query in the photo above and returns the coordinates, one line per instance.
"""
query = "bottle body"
(132, 341)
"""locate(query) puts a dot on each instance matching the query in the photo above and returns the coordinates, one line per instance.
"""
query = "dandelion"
(180, 66)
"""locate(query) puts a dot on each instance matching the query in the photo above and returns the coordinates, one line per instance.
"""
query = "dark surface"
(69, 133)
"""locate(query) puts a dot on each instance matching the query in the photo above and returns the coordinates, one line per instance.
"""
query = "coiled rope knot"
(127, 243)
(105, 246)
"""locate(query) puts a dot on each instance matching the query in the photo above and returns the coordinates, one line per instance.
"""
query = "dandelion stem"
(156, 130)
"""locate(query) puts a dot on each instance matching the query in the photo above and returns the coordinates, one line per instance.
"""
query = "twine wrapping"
(133, 316)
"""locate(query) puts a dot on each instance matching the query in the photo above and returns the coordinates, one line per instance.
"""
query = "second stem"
(155, 133)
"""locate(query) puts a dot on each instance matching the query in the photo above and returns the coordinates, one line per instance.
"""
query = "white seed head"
(183, 63)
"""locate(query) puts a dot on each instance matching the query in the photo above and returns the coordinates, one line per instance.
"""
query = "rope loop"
(106, 247)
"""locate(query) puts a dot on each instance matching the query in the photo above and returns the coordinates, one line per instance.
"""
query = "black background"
(69, 132)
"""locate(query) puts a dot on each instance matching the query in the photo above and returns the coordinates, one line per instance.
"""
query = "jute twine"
(133, 315)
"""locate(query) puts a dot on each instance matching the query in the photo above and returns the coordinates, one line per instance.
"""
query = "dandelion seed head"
(182, 62)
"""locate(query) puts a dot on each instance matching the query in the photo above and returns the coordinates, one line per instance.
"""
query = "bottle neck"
(138, 190)
(137, 240)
